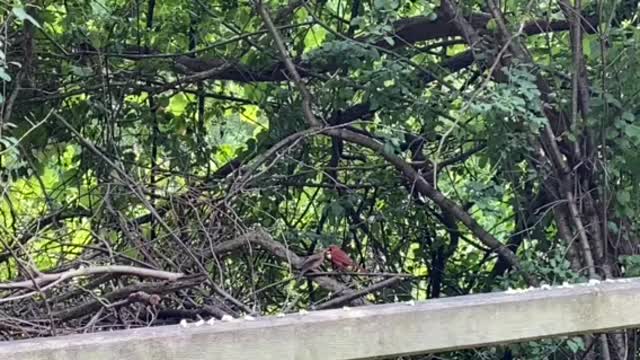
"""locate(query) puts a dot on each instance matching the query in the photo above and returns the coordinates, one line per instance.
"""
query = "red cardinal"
(340, 260)
(311, 263)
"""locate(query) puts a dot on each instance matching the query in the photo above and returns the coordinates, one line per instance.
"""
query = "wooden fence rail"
(363, 332)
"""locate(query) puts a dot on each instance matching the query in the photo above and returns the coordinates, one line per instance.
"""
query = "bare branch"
(348, 297)
(264, 240)
(306, 96)
(44, 279)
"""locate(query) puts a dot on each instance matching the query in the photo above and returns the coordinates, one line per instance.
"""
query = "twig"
(291, 68)
(355, 273)
(348, 297)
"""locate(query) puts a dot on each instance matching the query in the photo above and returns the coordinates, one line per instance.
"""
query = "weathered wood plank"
(363, 332)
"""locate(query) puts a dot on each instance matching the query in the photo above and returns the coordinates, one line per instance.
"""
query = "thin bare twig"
(348, 297)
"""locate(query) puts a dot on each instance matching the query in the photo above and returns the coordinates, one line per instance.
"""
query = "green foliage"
(631, 264)
(516, 101)
(545, 349)
(341, 53)
(550, 266)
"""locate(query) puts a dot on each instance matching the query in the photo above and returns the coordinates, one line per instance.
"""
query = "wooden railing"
(363, 332)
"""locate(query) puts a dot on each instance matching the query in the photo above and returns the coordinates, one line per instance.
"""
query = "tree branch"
(44, 279)
(348, 297)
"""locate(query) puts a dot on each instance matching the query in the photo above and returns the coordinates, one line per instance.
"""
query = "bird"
(340, 260)
(312, 263)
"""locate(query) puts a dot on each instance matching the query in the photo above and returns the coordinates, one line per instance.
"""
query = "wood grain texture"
(363, 332)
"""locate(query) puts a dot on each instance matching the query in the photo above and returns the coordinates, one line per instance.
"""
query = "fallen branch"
(158, 288)
(43, 282)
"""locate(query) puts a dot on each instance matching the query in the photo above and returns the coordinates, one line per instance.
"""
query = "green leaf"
(623, 197)
(388, 148)
(81, 71)
(379, 4)
(587, 46)
(357, 21)
(178, 104)
(22, 15)
(632, 162)
(613, 101)
(631, 264)
(3, 74)
(315, 37)
(335, 210)
(98, 8)
(575, 344)
(492, 25)
(632, 131)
